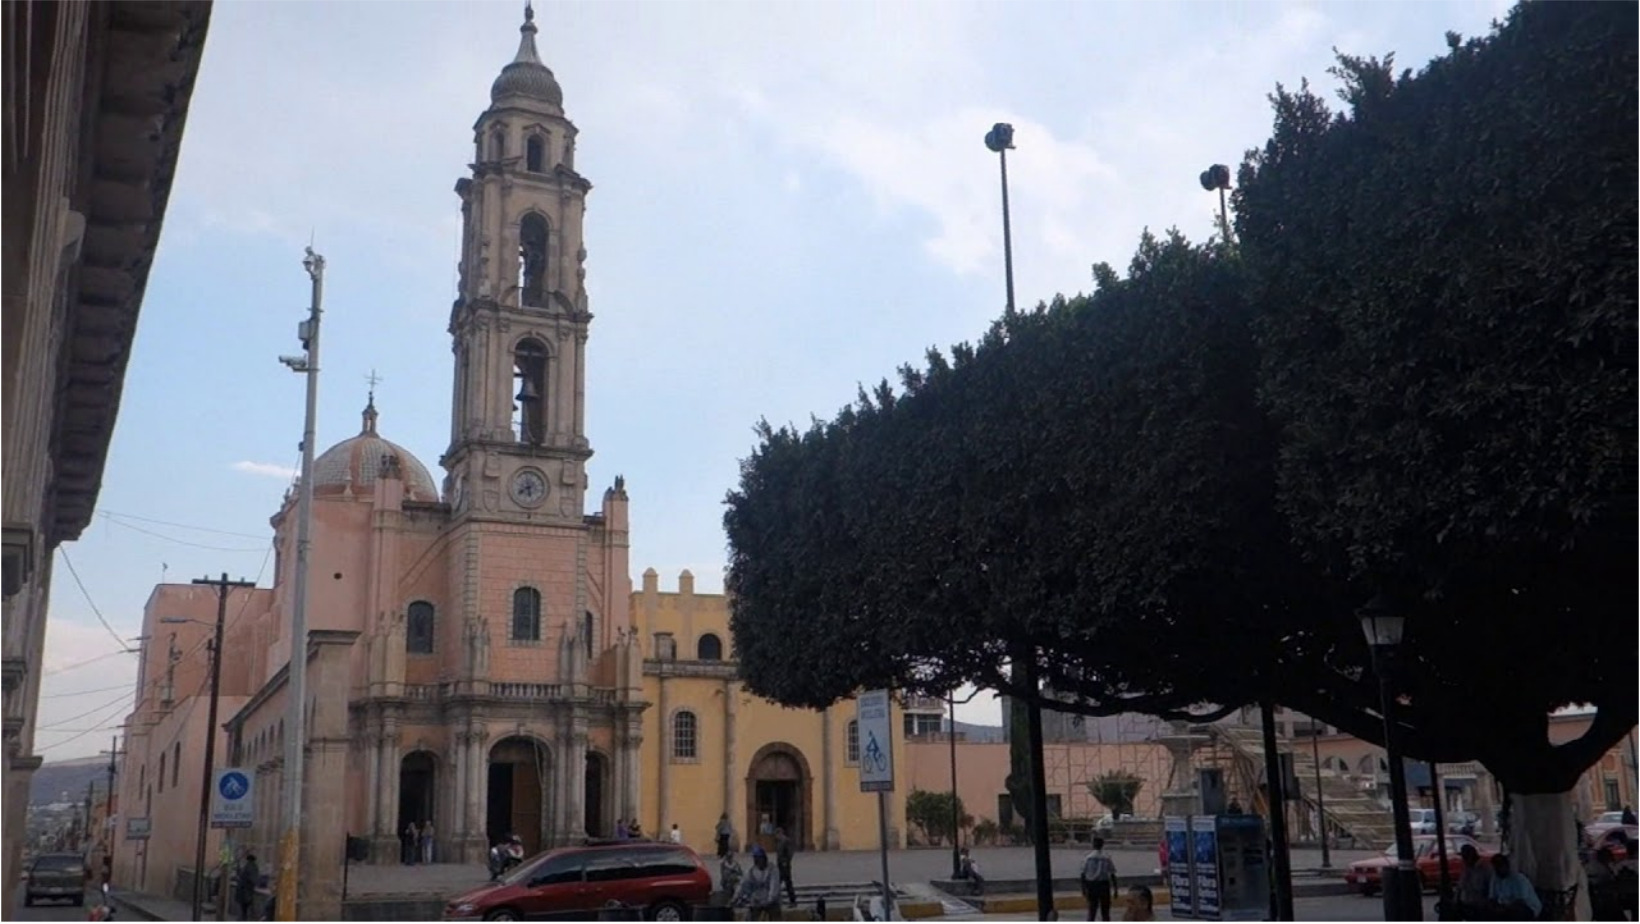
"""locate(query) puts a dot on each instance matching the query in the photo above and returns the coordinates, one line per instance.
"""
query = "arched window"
(142, 777)
(498, 144)
(851, 749)
(684, 727)
(162, 772)
(587, 624)
(709, 648)
(176, 760)
(530, 371)
(526, 621)
(418, 628)
(532, 260)
(535, 154)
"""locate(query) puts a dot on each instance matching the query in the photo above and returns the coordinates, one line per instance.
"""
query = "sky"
(789, 200)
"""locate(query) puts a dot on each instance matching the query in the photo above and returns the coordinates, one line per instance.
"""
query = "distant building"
(96, 97)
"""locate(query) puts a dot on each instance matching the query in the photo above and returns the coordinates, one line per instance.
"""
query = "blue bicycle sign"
(875, 731)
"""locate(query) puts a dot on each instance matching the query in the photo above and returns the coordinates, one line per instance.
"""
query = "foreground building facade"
(96, 95)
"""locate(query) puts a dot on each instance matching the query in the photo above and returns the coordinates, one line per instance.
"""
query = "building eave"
(137, 110)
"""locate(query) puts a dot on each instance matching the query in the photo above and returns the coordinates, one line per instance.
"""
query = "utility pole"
(290, 847)
(207, 782)
(108, 813)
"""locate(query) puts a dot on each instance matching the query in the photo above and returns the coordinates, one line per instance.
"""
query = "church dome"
(526, 76)
(352, 466)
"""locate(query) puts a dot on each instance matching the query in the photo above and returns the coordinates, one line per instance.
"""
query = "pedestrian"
(675, 836)
(729, 875)
(1098, 881)
(783, 863)
(427, 841)
(1474, 884)
(724, 832)
(969, 870)
(636, 831)
(760, 890)
(1513, 897)
(1628, 815)
(620, 829)
(411, 840)
(245, 883)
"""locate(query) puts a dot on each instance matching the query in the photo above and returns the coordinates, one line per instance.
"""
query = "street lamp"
(956, 810)
(1403, 890)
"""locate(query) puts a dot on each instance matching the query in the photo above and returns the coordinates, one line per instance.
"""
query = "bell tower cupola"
(519, 324)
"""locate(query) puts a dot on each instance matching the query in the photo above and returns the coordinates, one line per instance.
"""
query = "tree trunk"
(1543, 843)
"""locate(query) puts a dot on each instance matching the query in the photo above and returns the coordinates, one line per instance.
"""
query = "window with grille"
(851, 751)
(418, 629)
(526, 621)
(684, 732)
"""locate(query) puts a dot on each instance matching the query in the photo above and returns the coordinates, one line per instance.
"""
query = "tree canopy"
(1411, 380)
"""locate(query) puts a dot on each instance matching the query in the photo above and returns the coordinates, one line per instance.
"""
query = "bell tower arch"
(519, 324)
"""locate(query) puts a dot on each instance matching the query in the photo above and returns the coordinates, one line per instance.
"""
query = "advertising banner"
(1176, 832)
(1204, 840)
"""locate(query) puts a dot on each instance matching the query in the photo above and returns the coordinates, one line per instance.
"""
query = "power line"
(88, 661)
(123, 686)
(116, 515)
(101, 726)
(115, 701)
(63, 551)
(196, 545)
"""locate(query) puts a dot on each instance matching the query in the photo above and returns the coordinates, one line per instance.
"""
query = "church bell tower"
(518, 445)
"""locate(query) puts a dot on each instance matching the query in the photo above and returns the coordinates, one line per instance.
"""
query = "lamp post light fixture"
(1403, 890)
(1217, 177)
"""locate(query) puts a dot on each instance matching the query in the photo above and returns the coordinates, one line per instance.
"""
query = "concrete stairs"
(1347, 812)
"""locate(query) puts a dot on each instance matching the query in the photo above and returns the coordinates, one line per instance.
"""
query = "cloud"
(266, 469)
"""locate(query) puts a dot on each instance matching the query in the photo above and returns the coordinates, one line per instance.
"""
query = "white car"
(1423, 820)
(1608, 818)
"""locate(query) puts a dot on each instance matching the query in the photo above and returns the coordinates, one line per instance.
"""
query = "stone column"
(478, 776)
(387, 791)
(731, 709)
(831, 837)
(663, 803)
(575, 824)
(373, 788)
(631, 766)
(458, 815)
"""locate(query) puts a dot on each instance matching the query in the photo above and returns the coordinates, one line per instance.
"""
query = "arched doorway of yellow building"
(516, 797)
(780, 794)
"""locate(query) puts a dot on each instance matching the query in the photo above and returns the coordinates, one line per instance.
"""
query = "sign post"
(233, 803)
(874, 722)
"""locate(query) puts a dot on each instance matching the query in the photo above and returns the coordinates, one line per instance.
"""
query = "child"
(1141, 905)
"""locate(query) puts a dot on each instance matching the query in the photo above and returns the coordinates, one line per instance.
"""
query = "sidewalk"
(141, 907)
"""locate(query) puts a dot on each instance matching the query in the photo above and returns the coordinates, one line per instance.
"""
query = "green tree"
(931, 813)
(1116, 790)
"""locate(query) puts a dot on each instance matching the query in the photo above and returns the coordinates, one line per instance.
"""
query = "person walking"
(783, 863)
(1098, 881)
(675, 836)
(725, 832)
(245, 883)
(427, 841)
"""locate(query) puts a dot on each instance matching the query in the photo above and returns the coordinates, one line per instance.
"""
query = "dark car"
(665, 881)
(57, 876)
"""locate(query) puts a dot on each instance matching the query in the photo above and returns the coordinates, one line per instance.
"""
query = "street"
(59, 910)
(1328, 908)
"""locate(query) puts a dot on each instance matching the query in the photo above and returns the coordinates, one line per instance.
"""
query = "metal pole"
(290, 848)
(1409, 905)
(882, 839)
(1039, 794)
(1320, 797)
(956, 808)
(207, 780)
(1445, 907)
(1007, 232)
(1276, 797)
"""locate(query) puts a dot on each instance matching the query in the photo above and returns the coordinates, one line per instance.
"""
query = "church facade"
(474, 659)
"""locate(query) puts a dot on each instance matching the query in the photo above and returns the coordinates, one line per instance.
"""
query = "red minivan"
(665, 880)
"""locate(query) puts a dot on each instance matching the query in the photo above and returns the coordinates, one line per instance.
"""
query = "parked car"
(666, 881)
(1596, 836)
(1367, 875)
(57, 876)
(1463, 823)
(1423, 820)
(1607, 818)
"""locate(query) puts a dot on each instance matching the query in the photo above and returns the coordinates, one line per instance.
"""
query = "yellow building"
(711, 748)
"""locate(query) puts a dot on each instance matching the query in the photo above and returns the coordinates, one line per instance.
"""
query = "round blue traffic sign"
(233, 786)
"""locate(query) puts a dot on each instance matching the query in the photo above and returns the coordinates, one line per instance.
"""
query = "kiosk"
(1217, 867)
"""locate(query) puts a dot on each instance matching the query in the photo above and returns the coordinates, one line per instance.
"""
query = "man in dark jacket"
(783, 862)
(244, 887)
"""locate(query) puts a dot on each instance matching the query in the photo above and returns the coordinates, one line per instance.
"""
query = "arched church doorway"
(597, 767)
(779, 794)
(517, 803)
(418, 783)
